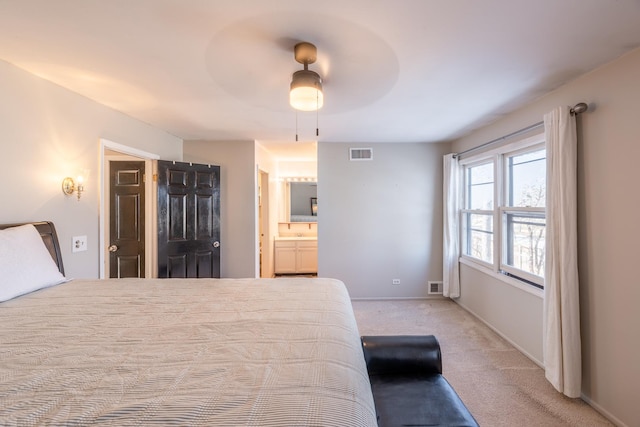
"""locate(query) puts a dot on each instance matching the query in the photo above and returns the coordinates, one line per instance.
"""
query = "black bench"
(405, 372)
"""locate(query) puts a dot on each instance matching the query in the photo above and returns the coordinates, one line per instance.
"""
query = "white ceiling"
(394, 71)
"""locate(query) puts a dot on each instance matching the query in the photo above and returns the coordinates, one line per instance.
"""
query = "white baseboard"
(585, 398)
(608, 415)
(430, 297)
(520, 349)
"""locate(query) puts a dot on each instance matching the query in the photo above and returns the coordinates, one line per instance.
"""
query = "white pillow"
(25, 263)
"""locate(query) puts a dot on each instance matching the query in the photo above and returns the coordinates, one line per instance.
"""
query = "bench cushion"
(426, 401)
(407, 384)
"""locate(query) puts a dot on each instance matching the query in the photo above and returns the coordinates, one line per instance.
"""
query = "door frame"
(150, 202)
(265, 243)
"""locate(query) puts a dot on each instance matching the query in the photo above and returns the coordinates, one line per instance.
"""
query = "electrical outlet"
(395, 281)
(78, 243)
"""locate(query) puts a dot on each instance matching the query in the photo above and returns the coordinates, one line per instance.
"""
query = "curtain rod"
(577, 109)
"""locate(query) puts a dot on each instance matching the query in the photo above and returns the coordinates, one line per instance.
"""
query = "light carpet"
(499, 385)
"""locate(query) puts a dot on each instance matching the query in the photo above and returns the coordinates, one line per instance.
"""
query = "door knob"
(216, 244)
(113, 248)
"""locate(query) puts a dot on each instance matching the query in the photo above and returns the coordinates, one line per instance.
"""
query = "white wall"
(238, 183)
(48, 133)
(297, 168)
(381, 220)
(514, 314)
(608, 234)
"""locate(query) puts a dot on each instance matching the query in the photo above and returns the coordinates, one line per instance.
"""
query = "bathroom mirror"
(303, 201)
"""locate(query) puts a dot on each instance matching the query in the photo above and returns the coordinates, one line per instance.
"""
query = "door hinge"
(155, 177)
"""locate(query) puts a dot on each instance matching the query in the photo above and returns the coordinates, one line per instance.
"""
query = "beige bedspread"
(223, 352)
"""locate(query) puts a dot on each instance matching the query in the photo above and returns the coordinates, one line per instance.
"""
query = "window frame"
(511, 270)
(499, 157)
(466, 212)
(506, 209)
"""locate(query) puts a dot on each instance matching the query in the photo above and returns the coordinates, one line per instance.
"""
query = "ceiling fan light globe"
(306, 98)
(306, 91)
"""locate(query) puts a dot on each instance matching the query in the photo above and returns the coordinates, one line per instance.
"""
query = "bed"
(215, 352)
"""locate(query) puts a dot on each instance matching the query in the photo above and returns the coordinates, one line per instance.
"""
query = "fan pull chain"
(317, 119)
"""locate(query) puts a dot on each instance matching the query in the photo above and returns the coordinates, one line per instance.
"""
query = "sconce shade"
(306, 91)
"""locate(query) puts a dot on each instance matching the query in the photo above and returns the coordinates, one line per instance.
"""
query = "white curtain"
(562, 355)
(451, 224)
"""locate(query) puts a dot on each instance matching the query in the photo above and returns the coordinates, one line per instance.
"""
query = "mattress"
(215, 352)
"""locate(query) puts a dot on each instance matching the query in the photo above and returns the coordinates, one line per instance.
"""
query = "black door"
(126, 225)
(188, 220)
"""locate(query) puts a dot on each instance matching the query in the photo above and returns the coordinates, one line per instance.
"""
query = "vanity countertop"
(297, 238)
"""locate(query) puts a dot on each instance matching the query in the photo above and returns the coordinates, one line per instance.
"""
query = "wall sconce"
(69, 185)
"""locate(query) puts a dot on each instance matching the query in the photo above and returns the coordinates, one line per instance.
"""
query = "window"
(478, 213)
(523, 215)
(503, 214)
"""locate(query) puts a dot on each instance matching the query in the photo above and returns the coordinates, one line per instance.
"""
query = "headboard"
(49, 237)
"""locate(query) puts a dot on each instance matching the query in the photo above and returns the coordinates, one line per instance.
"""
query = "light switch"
(78, 243)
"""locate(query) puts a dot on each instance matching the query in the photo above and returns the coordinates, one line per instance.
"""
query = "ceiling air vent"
(360, 154)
